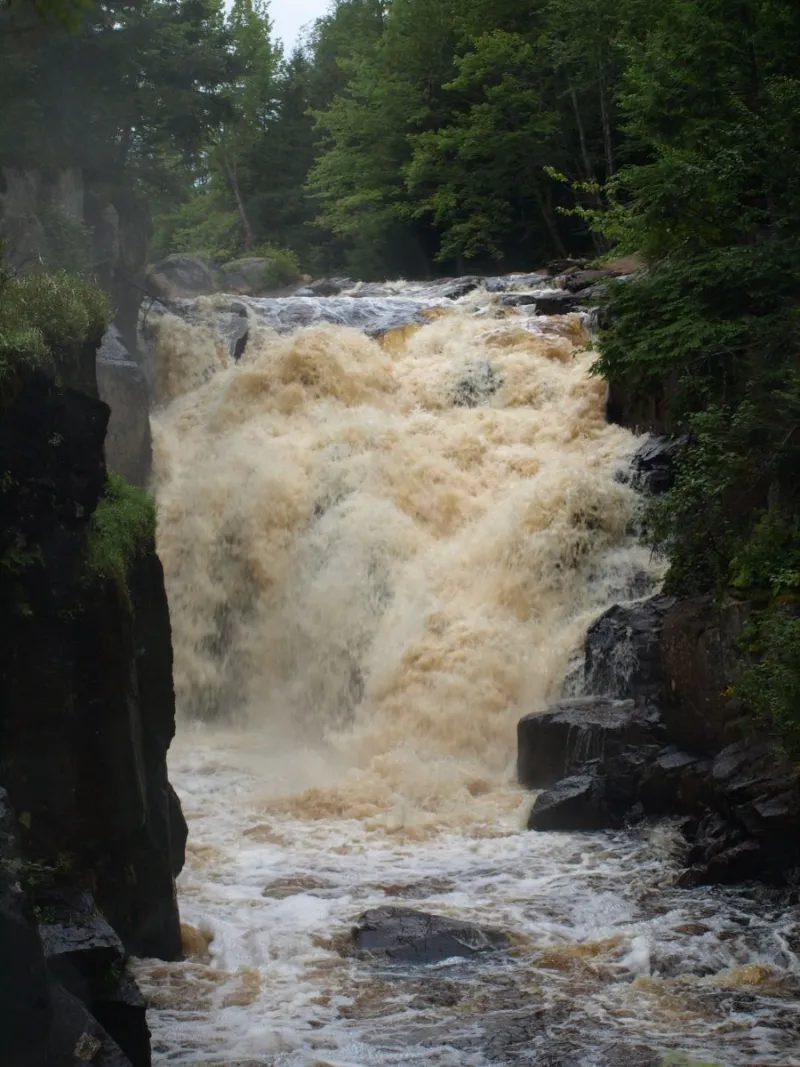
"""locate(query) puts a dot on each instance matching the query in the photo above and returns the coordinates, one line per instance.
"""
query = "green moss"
(123, 523)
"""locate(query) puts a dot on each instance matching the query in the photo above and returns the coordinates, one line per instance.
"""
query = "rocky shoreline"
(659, 733)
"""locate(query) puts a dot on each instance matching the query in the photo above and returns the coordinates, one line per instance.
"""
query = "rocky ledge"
(659, 733)
(91, 832)
(663, 738)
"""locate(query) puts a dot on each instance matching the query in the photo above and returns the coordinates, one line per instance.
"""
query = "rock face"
(402, 935)
(86, 718)
(122, 385)
(666, 739)
(575, 733)
(653, 465)
(576, 803)
(180, 277)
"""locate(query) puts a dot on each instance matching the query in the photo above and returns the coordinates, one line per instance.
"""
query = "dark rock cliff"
(94, 834)
(661, 733)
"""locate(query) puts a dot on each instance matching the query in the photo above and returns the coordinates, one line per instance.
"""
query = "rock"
(25, 1005)
(326, 287)
(652, 469)
(403, 935)
(457, 287)
(83, 742)
(673, 782)
(518, 300)
(557, 267)
(576, 803)
(233, 324)
(742, 862)
(575, 732)
(623, 650)
(560, 302)
(77, 1038)
(180, 277)
(583, 279)
(477, 382)
(81, 948)
(249, 276)
(700, 661)
(122, 1012)
(122, 385)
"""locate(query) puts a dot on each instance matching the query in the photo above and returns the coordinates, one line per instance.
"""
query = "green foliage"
(202, 225)
(770, 686)
(710, 334)
(69, 243)
(123, 524)
(282, 265)
(43, 316)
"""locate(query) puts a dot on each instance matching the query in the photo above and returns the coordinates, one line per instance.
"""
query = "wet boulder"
(457, 287)
(81, 947)
(326, 287)
(403, 935)
(652, 468)
(122, 1012)
(477, 382)
(622, 652)
(675, 781)
(580, 280)
(77, 1038)
(180, 277)
(576, 803)
(518, 300)
(577, 732)
(558, 302)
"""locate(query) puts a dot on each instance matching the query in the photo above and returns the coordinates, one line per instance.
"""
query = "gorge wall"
(91, 833)
(66, 221)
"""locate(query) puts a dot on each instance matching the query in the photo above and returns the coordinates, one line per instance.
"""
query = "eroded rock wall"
(93, 829)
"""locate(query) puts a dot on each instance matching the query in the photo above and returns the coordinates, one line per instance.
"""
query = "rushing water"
(382, 545)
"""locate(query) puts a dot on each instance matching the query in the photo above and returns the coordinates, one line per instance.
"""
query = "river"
(385, 530)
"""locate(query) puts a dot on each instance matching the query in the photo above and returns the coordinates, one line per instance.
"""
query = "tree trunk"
(230, 171)
(550, 222)
(606, 118)
(589, 174)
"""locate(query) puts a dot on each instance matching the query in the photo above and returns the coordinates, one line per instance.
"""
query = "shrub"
(69, 242)
(770, 686)
(123, 523)
(282, 266)
(42, 315)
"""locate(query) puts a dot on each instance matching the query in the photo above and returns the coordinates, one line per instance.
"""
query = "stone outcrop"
(667, 738)
(122, 385)
(403, 935)
(180, 277)
(62, 221)
(86, 717)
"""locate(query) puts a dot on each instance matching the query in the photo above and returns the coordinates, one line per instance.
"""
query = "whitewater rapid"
(383, 545)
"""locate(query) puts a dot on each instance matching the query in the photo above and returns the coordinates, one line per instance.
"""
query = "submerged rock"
(403, 935)
(476, 383)
(326, 287)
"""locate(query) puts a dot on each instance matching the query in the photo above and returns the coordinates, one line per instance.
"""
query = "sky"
(289, 16)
